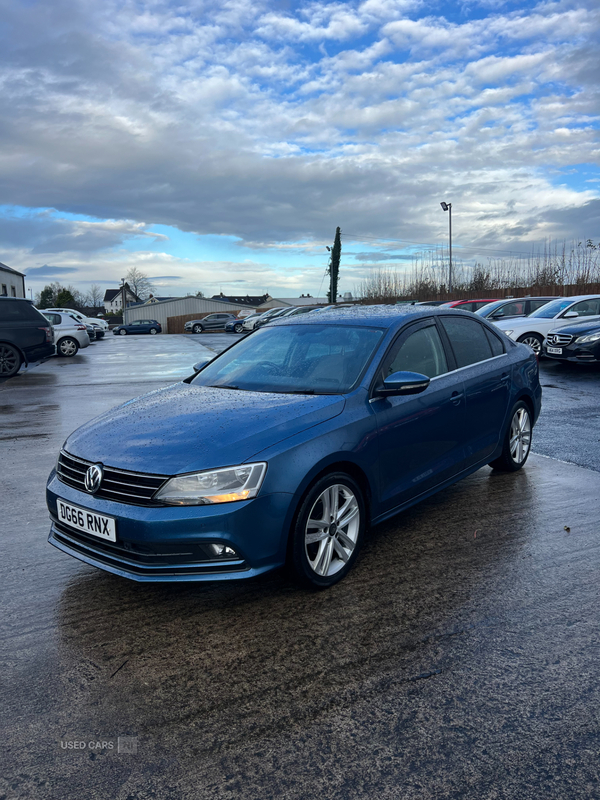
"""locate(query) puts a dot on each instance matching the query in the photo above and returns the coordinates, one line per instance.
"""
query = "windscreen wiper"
(221, 386)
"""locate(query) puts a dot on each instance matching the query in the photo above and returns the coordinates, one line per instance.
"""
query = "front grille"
(133, 488)
(559, 338)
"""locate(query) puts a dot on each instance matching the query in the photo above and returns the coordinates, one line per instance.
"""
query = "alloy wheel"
(10, 361)
(520, 435)
(68, 347)
(332, 530)
(533, 342)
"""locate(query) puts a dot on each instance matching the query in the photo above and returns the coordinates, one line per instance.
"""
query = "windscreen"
(296, 359)
(550, 310)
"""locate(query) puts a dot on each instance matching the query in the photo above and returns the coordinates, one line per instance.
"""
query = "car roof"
(381, 316)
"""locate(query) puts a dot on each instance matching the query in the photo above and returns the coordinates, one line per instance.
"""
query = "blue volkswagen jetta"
(287, 445)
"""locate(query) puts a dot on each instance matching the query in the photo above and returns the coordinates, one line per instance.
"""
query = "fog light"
(222, 551)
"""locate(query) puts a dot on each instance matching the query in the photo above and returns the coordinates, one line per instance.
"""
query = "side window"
(495, 342)
(55, 319)
(535, 304)
(422, 351)
(468, 340)
(511, 309)
(587, 308)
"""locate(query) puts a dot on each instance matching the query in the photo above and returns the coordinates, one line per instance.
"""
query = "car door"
(486, 373)
(586, 310)
(516, 308)
(420, 437)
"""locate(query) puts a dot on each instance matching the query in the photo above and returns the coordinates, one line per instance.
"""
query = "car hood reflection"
(184, 428)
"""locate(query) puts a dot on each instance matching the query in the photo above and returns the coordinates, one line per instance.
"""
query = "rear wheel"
(153, 331)
(122, 332)
(67, 347)
(517, 440)
(328, 531)
(10, 361)
(197, 329)
(533, 340)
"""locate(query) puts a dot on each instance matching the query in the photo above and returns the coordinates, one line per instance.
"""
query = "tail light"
(80, 327)
(49, 335)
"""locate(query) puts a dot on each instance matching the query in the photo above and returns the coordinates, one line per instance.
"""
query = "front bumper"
(166, 544)
(580, 354)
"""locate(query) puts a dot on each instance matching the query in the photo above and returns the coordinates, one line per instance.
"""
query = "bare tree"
(139, 283)
(94, 297)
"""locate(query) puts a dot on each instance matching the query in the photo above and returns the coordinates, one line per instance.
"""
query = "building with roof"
(113, 299)
(161, 311)
(252, 301)
(12, 283)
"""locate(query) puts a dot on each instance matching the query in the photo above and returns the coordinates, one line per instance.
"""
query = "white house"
(113, 299)
(12, 283)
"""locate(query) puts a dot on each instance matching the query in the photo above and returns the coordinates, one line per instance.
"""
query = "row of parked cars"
(28, 334)
(534, 321)
(562, 328)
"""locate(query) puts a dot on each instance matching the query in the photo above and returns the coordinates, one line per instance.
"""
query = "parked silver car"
(69, 333)
(99, 325)
(212, 322)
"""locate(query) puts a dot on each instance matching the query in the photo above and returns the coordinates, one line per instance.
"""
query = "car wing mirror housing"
(403, 383)
(571, 315)
(203, 362)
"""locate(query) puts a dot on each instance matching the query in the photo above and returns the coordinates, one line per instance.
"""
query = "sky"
(216, 146)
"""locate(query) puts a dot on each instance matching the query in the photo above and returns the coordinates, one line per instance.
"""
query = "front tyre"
(517, 440)
(67, 347)
(328, 531)
(532, 340)
(197, 329)
(122, 332)
(238, 327)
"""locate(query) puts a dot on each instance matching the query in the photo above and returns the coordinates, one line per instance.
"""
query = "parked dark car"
(25, 335)
(235, 325)
(579, 343)
(286, 446)
(512, 307)
(139, 326)
(212, 322)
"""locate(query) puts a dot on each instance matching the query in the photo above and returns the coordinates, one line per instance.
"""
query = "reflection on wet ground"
(457, 660)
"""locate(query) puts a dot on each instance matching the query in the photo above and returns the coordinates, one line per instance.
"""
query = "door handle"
(456, 397)
(505, 377)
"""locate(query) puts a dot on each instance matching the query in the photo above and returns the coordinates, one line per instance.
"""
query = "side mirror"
(570, 315)
(202, 363)
(401, 383)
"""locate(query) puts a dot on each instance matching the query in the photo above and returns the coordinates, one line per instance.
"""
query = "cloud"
(49, 272)
(228, 119)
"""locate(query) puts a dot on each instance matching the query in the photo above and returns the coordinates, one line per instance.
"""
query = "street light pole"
(123, 299)
(448, 207)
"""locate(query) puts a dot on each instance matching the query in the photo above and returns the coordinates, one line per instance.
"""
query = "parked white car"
(69, 333)
(101, 325)
(250, 322)
(532, 330)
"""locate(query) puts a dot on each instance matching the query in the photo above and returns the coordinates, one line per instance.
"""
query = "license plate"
(87, 521)
(556, 351)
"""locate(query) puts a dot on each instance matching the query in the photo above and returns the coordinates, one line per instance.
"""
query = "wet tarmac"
(457, 660)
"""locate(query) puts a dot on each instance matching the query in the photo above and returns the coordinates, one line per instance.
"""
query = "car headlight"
(591, 337)
(213, 486)
(508, 333)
